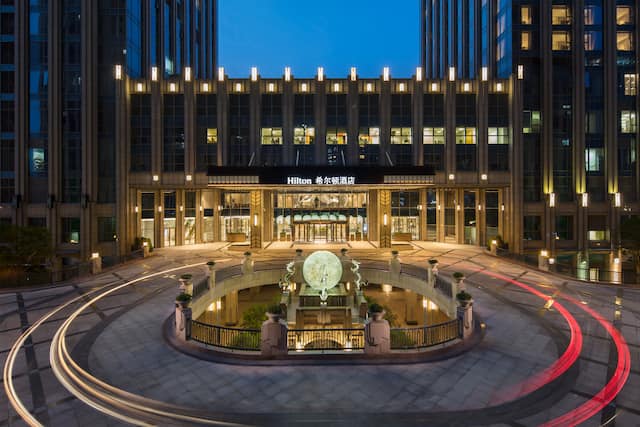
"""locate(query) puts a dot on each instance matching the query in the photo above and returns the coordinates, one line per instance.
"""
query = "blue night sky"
(303, 34)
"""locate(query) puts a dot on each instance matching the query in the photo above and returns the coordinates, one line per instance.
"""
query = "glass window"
(592, 40)
(561, 40)
(594, 159)
(304, 135)
(592, 15)
(623, 15)
(271, 136)
(525, 40)
(526, 17)
(498, 136)
(531, 122)
(598, 230)
(532, 228)
(630, 87)
(561, 15)
(628, 122)
(466, 136)
(106, 229)
(401, 136)
(433, 136)
(70, 230)
(624, 40)
(564, 227)
(369, 136)
(336, 136)
(212, 136)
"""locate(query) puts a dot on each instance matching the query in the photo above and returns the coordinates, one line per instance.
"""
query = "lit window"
(212, 136)
(561, 15)
(623, 15)
(271, 136)
(433, 136)
(561, 40)
(592, 40)
(594, 159)
(401, 136)
(466, 136)
(590, 15)
(525, 40)
(630, 88)
(531, 122)
(336, 136)
(369, 136)
(304, 135)
(628, 122)
(526, 17)
(624, 40)
(498, 136)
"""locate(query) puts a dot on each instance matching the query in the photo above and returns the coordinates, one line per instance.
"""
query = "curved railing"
(425, 336)
(223, 337)
(343, 339)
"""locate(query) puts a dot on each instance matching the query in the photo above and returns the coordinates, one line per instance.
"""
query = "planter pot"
(465, 303)
(247, 265)
(394, 264)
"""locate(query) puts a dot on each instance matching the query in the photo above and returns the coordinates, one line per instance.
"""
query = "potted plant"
(376, 311)
(464, 298)
(274, 312)
(186, 277)
(211, 263)
(433, 262)
(247, 263)
(183, 300)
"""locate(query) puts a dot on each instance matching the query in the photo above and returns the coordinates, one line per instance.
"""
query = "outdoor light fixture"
(552, 200)
(439, 207)
(425, 303)
(387, 289)
(255, 220)
(466, 87)
(219, 304)
(452, 74)
(552, 261)
(271, 87)
(159, 208)
(201, 208)
(617, 200)
(484, 177)
(502, 207)
(154, 74)
(172, 87)
(452, 177)
(205, 87)
(118, 72)
(181, 208)
(498, 87)
(95, 255)
(385, 74)
(520, 72)
(354, 74)
(220, 74)
(287, 74)
(434, 87)
(402, 87)
(336, 87)
(479, 207)
(136, 209)
(458, 207)
(138, 87)
(238, 87)
(304, 87)
(419, 74)
(254, 74)
(189, 177)
(385, 219)
(156, 178)
(544, 253)
(320, 74)
(616, 260)
(585, 200)
(187, 74)
(485, 74)
(369, 87)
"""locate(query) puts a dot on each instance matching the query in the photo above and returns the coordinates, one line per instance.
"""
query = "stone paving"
(120, 340)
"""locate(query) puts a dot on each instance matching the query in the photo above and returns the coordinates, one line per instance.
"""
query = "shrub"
(247, 253)
(274, 309)
(375, 308)
(463, 296)
(183, 297)
(458, 275)
(389, 315)
(139, 241)
(400, 339)
(433, 261)
(211, 263)
(186, 276)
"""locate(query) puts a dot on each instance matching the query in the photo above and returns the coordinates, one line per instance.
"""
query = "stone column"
(212, 274)
(231, 308)
(394, 264)
(465, 315)
(377, 335)
(273, 338)
(96, 264)
(183, 322)
(186, 284)
(384, 200)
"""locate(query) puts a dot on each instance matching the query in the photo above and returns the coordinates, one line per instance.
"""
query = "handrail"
(224, 337)
(425, 336)
(345, 339)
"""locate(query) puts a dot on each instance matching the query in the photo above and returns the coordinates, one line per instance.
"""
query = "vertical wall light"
(452, 74)
(320, 74)
(255, 220)
(220, 74)
(154, 74)
(354, 74)
(287, 74)
(552, 200)
(419, 74)
(385, 219)
(187, 74)
(386, 73)
(585, 200)
(485, 74)
(254, 74)
(520, 72)
(118, 72)
(617, 200)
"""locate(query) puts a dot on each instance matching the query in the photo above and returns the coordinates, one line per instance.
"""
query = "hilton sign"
(322, 180)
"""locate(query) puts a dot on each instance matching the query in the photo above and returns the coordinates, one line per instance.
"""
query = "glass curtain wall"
(405, 216)
(147, 214)
(169, 223)
(235, 224)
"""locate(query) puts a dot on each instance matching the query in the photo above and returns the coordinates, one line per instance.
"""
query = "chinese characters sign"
(322, 180)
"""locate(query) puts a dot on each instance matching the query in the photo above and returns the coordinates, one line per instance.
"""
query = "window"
(564, 227)
(592, 40)
(7, 81)
(106, 229)
(433, 136)
(7, 116)
(592, 15)
(525, 40)
(532, 229)
(173, 135)
(630, 88)
(70, 230)
(369, 136)
(597, 230)
(526, 17)
(561, 40)
(271, 136)
(624, 40)
(628, 122)
(304, 135)
(531, 122)
(466, 136)
(212, 136)
(336, 136)
(207, 131)
(401, 136)
(623, 15)
(140, 133)
(561, 15)
(594, 159)
(498, 136)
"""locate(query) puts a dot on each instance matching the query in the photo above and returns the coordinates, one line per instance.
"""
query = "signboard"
(322, 180)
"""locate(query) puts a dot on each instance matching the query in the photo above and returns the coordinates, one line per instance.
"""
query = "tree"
(24, 246)
(630, 231)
